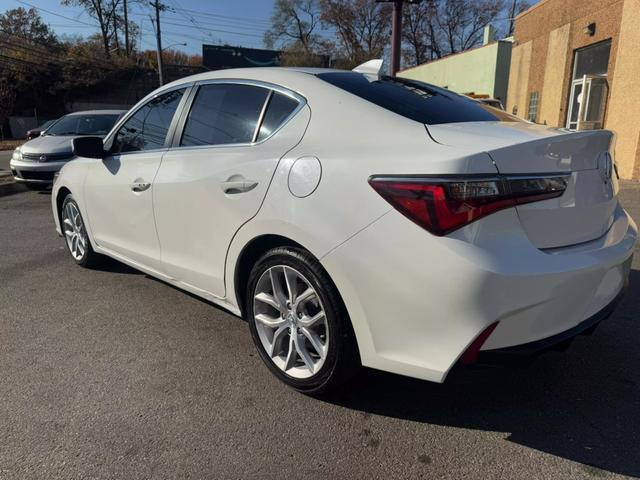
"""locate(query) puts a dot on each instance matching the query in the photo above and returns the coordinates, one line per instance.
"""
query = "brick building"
(576, 64)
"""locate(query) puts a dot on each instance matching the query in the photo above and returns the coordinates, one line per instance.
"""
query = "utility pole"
(126, 30)
(158, 6)
(396, 33)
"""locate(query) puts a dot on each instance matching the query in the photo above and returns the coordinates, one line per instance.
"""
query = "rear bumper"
(560, 341)
(417, 302)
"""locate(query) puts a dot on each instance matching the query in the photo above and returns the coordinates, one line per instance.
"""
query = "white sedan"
(356, 220)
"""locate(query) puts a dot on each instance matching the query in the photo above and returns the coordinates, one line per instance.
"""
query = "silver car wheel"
(290, 321)
(74, 231)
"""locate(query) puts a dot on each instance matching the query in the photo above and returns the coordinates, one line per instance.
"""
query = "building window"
(532, 113)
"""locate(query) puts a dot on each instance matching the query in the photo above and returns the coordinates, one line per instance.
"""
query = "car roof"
(98, 112)
(263, 73)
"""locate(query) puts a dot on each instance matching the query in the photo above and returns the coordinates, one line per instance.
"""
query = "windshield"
(418, 101)
(46, 124)
(92, 124)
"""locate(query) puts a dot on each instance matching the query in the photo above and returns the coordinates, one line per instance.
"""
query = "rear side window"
(416, 100)
(279, 109)
(224, 114)
(147, 128)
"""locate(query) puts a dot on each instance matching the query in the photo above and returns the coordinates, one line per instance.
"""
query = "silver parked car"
(36, 162)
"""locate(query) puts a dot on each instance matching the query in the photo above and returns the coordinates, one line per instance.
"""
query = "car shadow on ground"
(110, 265)
(582, 405)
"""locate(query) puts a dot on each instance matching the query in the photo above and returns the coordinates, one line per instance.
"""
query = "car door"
(118, 189)
(215, 179)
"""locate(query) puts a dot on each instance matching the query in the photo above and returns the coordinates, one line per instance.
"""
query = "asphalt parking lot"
(112, 374)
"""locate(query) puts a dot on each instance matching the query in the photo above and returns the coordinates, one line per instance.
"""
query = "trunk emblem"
(605, 165)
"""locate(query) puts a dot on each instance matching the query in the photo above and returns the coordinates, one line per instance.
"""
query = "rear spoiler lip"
(521, 148)
(551, 132)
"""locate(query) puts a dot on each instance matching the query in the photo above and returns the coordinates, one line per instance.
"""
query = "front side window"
(224, 114)
(147, 129)
(416, 100)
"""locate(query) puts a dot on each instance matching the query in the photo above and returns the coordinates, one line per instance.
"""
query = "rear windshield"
(418, 101)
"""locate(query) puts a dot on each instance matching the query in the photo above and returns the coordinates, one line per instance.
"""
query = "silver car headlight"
(17, 155)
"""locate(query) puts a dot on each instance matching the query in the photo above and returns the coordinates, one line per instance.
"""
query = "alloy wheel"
(74, 231)
(290, 321)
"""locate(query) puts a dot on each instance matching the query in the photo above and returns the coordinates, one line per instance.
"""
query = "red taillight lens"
(444, 205)
(470, 355)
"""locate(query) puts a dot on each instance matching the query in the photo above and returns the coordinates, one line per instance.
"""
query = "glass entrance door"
(589, 87)
(587, 103)
(574, 104)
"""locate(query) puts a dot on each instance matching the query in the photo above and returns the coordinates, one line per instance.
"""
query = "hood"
(48, 144)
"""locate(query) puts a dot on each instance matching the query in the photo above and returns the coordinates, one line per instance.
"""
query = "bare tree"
(420, 33)
(515, 7)
(104, 12)
(462, 21)
(27, 24)
(294, 24)
(362, 26)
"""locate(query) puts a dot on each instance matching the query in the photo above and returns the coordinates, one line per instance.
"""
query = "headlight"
(17, 155)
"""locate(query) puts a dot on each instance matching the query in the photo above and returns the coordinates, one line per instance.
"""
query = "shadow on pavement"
(582, 405)
(113, 266)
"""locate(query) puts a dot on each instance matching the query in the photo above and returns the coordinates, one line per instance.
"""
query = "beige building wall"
(519, 79)
(624, 102)
(476, 70)
(546, 39)
(555, 71)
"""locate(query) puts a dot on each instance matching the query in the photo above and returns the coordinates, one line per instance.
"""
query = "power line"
(56, 14)
(181, 11)
(229, 17)
(207, 30)
(46, 53)
(215, 30)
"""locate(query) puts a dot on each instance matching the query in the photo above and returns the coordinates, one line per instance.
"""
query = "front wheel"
(75, 234)
(298, 322)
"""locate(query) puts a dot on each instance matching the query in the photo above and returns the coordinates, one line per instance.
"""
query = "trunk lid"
(585, 211)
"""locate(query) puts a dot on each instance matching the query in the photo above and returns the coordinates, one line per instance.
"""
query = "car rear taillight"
(442, 205)
(470, 355)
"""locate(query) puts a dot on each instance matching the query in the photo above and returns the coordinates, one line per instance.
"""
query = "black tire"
(37, 187)
(90, 258)
(342, 359)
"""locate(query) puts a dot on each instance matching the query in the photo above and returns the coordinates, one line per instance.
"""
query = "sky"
(191, 22)
(194, 22)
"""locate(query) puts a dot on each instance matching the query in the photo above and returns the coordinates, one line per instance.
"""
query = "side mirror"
(88, 147)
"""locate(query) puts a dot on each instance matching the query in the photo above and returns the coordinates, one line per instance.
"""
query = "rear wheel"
(75, 234)
(298, 322)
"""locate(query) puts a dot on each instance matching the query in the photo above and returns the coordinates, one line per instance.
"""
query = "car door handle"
(139, 185)
(238, 184)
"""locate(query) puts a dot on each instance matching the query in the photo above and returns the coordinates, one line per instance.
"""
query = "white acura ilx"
(354, 219)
